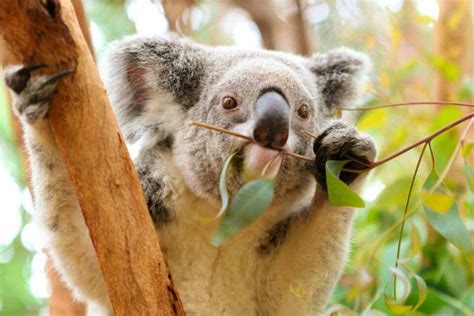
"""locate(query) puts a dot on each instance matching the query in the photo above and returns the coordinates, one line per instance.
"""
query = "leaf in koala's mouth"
(339, 193)
(247, 204)
(222, 185)
(261, 162)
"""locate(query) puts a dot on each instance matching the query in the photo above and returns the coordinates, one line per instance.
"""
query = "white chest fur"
(211, 280)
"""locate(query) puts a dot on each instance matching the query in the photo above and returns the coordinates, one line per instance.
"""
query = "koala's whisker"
(247, 138)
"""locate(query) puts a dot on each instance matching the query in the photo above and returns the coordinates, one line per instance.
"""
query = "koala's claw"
(342, 142)
(16, 77)
(32, 95)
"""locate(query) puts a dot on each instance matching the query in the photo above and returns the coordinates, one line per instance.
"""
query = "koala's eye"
(229, 103)
(303, 111)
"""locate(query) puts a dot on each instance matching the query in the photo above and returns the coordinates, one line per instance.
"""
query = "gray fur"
(156, 86)
(138, 68)
(153, 190)
(341, 142)
(34, 95)
(339, 74)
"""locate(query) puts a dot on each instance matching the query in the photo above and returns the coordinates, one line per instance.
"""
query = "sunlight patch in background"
(429, 7)
(10, 215)
(242, 29)
(39, 285)
(148, 17)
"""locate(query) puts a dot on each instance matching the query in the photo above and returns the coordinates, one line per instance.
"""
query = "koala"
(288, 261)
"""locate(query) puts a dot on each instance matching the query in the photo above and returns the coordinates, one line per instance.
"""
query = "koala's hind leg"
(57, 209)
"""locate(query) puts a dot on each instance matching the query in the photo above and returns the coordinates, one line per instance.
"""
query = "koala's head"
(157, 86)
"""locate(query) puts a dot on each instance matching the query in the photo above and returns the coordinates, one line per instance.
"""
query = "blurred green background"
(421, 49)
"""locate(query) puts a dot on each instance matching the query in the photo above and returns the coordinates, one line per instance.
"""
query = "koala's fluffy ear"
(340, 75)
(138, 69)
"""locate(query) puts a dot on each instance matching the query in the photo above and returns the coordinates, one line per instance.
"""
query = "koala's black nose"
(272, 120)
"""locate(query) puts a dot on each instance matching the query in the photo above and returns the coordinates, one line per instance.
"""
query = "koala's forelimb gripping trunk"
(100, 178)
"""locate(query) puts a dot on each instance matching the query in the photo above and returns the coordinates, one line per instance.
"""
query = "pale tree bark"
(297, 30)
(263, 14)
(284, 31)
(454, 43)
(178, 14)
(111, 198)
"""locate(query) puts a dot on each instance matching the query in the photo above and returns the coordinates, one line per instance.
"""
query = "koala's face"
(266, 100)
(270, 97)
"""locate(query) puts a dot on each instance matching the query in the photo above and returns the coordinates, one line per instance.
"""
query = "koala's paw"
(31, 96)
(342, 142)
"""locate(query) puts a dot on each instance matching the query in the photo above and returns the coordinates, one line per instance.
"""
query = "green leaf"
(422, 291)
(438, 202)
(222, 186)
(248, 203)
(469, 175)
(401, 304)
(448, 224)
(340, 194)
(398, 305)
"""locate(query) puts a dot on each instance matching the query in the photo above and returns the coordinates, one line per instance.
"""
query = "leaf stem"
(404, 216)
(452, 159)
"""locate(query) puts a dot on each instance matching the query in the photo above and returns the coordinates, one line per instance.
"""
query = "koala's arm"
(58, 213)
(312, 257)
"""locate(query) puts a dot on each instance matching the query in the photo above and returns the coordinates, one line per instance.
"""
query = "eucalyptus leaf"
(448, 224)
(422, 291)
(467, 148)
(247, 204)
(222, 185)
(438, 202)
(340, 194)
(397, 305)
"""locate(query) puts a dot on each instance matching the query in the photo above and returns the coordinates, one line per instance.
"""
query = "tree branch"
(421, 141)
(370, 166)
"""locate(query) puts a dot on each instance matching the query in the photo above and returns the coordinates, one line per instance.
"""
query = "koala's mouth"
(260, 161)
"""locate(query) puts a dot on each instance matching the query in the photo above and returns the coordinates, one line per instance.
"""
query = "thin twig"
(421, 141)
(403, 223)
(308, 159)
(470, 105)
(247, 138)
(371, 165)
(222, 130)
(452, 159)
(464, 134)
(308, 133)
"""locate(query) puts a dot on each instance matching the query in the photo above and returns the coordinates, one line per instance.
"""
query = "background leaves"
(419, 51)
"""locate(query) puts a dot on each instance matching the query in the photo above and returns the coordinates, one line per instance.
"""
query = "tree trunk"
(179, 20)
(103, 176)
(289, 34)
